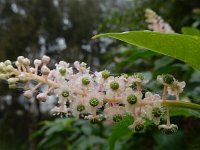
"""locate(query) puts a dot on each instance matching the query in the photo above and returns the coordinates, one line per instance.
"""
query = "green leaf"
(183, 47)
(179, 108)
(190, 31)
(120, 130)
(180, 104)
(183, 112)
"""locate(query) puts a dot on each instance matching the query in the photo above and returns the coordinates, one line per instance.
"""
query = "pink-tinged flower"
(138, 125)
(61, 110)
(156, 23)
(114, 113)
(151, 97)
(131, 100)
(176, 88)
(81, 67)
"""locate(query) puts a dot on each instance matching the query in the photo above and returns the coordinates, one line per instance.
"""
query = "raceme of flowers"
(97, 96)
(156, 23)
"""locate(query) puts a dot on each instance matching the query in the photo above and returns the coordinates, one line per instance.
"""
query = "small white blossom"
(176, 88)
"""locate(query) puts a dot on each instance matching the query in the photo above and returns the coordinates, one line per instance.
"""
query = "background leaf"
(190, 31)
(120, 130)
(183, 47)
(183, 112)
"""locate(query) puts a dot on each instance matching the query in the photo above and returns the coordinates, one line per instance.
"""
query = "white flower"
(176, 88)
(131, 100)
(61, 110)
(152, 112)
(114, 113)
(138, 125)
(151, 97)
(81, 67)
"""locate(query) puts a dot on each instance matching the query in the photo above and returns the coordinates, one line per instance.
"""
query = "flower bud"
(80, 108)
(2, 66)
(12, 80)
(114, 85)
(20, 59)
(94, 102)
(28, 94)
(37, 62)
(62, 71)
(7, 62)
(42, 97)
(117, 118)
(105, 74)
(26, 62)
(132, 99)
(85, 80)
(17, 64)
(3, 76)
(65, 94)
(9, 68)
(32, 70)
(156, 112)
(22, 77)
(45, 60)
(45, 70)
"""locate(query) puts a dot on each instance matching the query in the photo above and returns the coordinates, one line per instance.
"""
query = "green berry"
(80, 108)
(65, 93)
(94, 102)
(156, 111)
(139, 127)
(117, 118)
(62, 71)
(114, 85)
(170, 130)
(85, 80)
(139, 75)
(169, 79)
(132, 99)
(105, 74)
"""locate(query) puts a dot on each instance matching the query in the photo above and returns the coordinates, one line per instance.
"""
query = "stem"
(164, 93)
(177, 96)
(172, 103)
(168, 117)
(42, 79)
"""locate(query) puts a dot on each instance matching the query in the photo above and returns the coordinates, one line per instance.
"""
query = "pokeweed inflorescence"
(97, 96)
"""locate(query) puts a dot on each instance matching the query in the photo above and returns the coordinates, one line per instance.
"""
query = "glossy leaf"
(183, 47)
